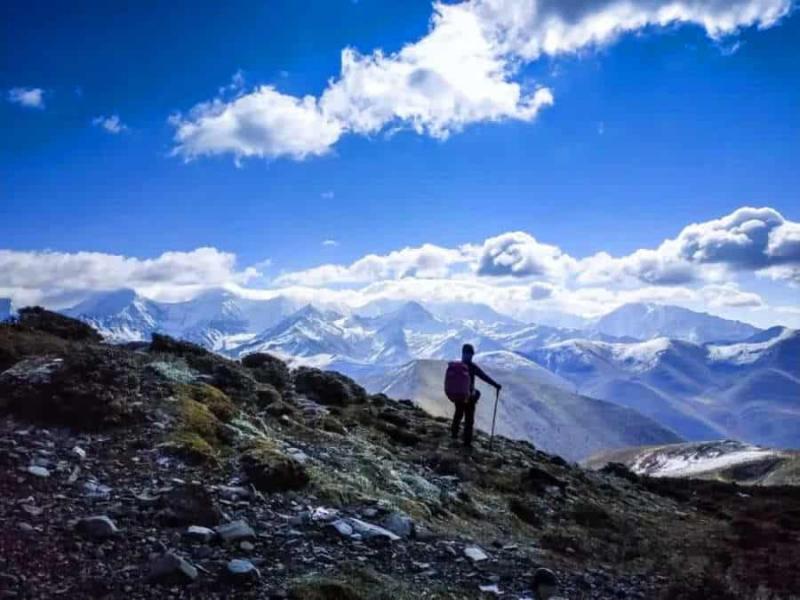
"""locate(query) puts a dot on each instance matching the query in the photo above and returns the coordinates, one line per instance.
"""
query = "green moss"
(217, 401)
(197, 431)
(192, 447)
(197, 418)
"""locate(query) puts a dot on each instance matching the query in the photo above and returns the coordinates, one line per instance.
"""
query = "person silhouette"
(465, 409)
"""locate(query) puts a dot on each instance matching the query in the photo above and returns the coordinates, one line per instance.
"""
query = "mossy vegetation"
(217, 401)
(271, 470)
(202, 410)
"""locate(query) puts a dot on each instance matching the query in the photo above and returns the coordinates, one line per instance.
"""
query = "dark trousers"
(465, 410)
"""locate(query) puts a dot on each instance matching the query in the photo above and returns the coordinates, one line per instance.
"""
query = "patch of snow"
(690, 461)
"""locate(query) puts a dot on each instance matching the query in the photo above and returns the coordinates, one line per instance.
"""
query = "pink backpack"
(456, 382)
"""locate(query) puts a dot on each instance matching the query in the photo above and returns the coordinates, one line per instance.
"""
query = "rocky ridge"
(160, 470)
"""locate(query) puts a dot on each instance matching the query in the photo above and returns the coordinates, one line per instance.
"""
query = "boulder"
(38, 471)
(241, 571)
(235, 531)
(399, 524)
(200, 534)
(171, 569)
(475, 554)
(270, 470)
(189, 504)
(97, 527)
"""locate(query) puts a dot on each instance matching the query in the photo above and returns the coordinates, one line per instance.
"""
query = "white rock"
(491, 589)
(38, 471)
(475, 554)
(201, 534)
(368, 530)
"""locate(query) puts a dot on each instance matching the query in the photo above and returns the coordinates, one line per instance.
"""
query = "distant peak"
(101, 303)
(413, 310)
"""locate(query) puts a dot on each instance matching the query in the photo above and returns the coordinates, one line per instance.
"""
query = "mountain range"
(746, 390)
(722, 460)
(642, 374)
(535, 405)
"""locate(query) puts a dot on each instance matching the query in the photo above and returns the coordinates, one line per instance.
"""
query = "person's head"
(467, 352)
(545, 584)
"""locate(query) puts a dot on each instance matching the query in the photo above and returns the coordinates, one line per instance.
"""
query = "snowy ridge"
(724, 460)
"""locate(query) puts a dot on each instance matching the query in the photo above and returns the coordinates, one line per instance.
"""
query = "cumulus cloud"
(423, 262)
(466, 69)
(519, 254)
(31, 275)
(263, 123)
(759, 240)
(730, 296)
(513, 272)
(541, 291)
(112, 124)
(27, 97)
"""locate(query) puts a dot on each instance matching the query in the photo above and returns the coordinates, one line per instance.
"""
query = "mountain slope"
(140, 473)
(725, 460)
(747, 390)
(645, 321)
(535, 405)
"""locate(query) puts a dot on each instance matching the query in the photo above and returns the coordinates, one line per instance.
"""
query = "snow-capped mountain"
(121, 315)
(535, 405)
(725, 460)
(325, 338)
(747, 390)
(217, 319)
(644, 321)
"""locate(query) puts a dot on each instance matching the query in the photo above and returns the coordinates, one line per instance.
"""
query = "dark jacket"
(476, 371)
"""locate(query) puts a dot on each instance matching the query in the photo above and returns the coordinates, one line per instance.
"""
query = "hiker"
(460, 389)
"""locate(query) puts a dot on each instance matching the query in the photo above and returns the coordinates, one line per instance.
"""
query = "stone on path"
(97, 527)
(235, 531)
(475, 554)
(171, 568)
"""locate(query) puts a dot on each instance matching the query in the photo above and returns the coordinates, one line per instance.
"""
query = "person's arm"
(481, 375)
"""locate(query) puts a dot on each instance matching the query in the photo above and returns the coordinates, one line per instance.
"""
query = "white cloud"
(263, 123)
(541, 291)
(112, 124)
(330, 243)
(31, 275)
(27, 97)
(519, 254)
(760, 240)
(729, 295)
(512, 272)
(423, 262)
(327, 195)
(465, 70)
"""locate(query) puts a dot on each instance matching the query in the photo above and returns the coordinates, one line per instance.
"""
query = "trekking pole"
(494, 417)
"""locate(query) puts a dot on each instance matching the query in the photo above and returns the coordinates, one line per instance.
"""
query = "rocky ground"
(163, 471)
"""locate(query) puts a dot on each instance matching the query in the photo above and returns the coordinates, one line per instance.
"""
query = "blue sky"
(649, 131)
